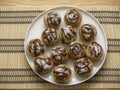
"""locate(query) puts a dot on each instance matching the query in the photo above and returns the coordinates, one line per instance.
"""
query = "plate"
(37, 27)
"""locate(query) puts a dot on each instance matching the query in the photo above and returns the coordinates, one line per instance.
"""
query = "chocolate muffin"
(59, 55)
(36, 47)
(76, 50)
(87, 32)
(73, 17)
(49, 36)
(83, 66)
(62, 73)
(52, 19)
(43, 64)
(68, 34)
(94, 51)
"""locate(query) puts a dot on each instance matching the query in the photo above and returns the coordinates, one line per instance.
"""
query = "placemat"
(15, 72)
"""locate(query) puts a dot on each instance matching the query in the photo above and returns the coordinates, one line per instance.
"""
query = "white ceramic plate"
(37, 27)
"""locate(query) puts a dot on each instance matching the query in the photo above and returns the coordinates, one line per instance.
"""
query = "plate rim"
(66, 6)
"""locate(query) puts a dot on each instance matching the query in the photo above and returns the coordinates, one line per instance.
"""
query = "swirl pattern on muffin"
(36, 47)
(49, 36)
(59, 55)
(62, 73)
(43, 64)
(83, 66)
(76, 50)
(94, 51)
(52, 19)
(88, 32)
(68, 34)
(73, 17)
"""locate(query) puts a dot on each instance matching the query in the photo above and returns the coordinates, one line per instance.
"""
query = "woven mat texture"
(15, 73)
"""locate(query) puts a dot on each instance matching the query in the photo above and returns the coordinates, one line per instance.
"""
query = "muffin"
(76, 50)
(73, 17)
(62, 73)
(36, 47)
(68, 34)
(52, 19)
(49, 36)
(94, 51)
(83, 66)
(87, 32)
(59, 55)
(43, 64)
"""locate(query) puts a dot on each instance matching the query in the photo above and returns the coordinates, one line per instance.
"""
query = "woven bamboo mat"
(15, 72)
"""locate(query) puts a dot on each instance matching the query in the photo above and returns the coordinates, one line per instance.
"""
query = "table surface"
(61, 2)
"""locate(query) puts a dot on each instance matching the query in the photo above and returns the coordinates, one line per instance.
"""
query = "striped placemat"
(15, 72)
